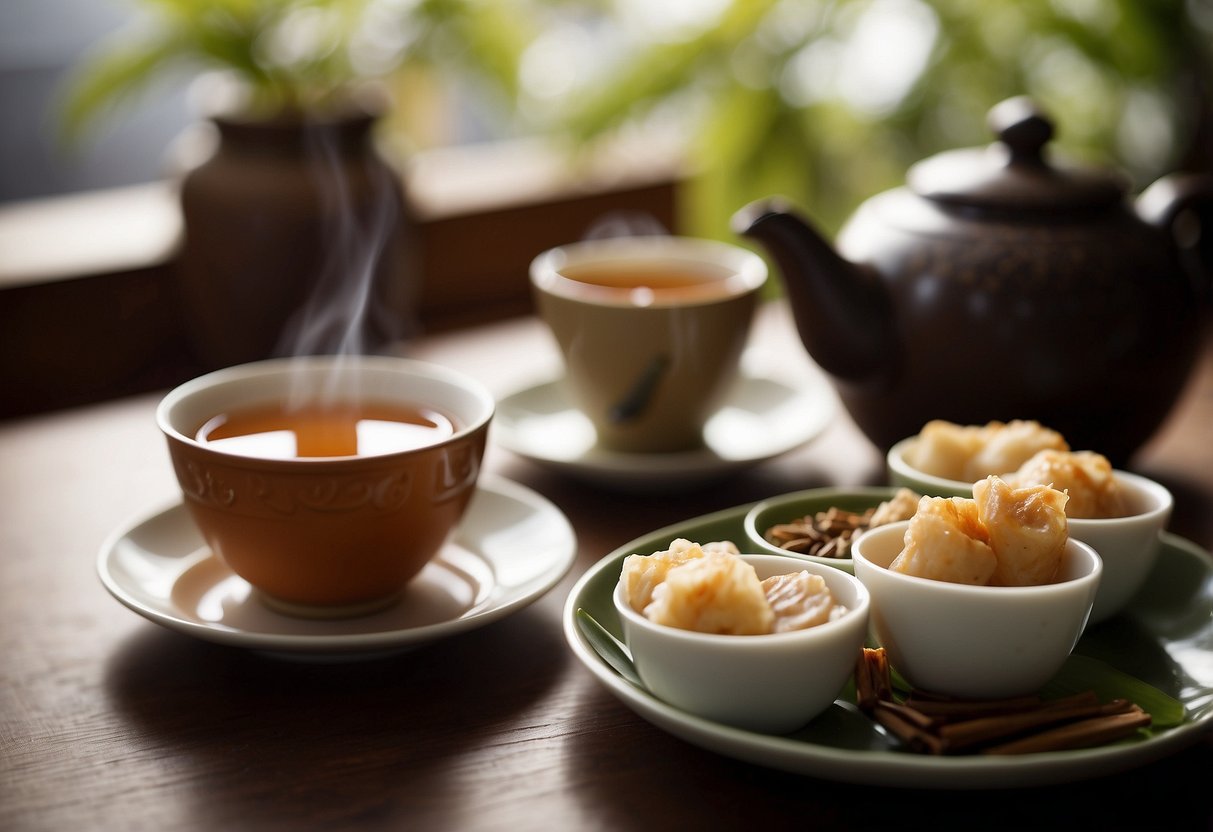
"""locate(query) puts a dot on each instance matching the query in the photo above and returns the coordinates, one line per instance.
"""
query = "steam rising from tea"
(344, 314)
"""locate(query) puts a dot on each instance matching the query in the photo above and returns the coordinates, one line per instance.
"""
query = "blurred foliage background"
(829, 101)
(823, 101)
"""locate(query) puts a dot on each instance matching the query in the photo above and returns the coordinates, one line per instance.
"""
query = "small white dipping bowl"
(904, 475)
(786, 508)
(1128, 545)
(974, 642)
(772, 683)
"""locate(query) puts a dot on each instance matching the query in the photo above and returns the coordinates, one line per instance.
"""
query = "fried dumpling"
(942, 448)
(1085, 476)
(800, 600)
(1027, 530)
(970, 452)
(1007, 446)
(946, 541)
(716, 593)
(642, 573)
(901, 506)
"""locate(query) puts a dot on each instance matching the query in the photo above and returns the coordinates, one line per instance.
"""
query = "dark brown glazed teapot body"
(999, 286)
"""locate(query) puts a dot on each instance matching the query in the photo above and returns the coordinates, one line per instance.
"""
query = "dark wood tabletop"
(108, 721)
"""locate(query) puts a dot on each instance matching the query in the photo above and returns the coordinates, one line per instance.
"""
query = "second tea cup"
(651, 330)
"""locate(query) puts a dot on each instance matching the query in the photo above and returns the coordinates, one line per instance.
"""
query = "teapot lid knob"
(1014, 172)
(1023, 128)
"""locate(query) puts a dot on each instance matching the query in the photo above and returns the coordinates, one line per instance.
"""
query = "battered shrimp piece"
(1027, 530)
(642, 573)
(970, 452)
(1007, 446)
(946, 541)
(943, 448)
(1085, 476)
(800, 600)
(716, 593)
(726, 546)
(901, 506)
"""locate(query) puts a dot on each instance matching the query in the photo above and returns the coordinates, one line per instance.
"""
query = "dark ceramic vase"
(296, 241)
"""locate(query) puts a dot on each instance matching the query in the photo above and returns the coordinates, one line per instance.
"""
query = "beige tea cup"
(651, 330)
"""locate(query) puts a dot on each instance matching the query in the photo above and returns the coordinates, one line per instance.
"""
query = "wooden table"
(111, 722)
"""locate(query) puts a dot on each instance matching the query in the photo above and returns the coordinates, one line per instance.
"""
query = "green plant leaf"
(228, 35)
(611, 649)
(112, 77)
(1082, 673)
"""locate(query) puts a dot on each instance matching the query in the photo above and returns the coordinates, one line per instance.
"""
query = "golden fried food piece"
(1027, 530)
(901, 506)
(717, 593)
(710, 589)
(946, 541)
(642, 573)
(1006, 446)
(970, 452)
(943, 449)
(1086, 476)
(800, 600)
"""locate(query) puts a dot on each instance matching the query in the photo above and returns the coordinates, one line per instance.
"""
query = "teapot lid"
(1013, 173)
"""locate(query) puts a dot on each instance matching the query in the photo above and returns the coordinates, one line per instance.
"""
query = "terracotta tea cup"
(651, 330)
(327, 536)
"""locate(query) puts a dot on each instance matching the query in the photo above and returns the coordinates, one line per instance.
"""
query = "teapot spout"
(842, 310)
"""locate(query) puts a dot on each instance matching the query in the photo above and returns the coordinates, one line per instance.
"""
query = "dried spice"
(830, 533)
(826, 534)
(1021, 725)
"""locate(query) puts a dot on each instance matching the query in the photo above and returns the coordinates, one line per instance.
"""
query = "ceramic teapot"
(997, 284)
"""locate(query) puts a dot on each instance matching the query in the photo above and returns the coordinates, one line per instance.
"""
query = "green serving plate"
(1163, 638)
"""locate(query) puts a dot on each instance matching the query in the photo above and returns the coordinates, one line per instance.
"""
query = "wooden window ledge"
(87, 303)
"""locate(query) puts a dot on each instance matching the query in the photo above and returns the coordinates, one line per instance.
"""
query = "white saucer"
(512, 546)
(763, 417)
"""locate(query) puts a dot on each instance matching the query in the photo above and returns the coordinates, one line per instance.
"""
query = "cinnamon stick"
(956, 709)
(985, 729)
(1087, 733)
(873, 680)
(929, 724)
(898, 719)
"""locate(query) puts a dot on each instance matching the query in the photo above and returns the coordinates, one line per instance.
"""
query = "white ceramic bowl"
(976, 642)
(904, 475)
(1128, 546)
(785, 508)
(768, 683)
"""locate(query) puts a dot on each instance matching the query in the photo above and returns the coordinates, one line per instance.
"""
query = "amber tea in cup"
(651, 330)
(647, 283)
(319, 429)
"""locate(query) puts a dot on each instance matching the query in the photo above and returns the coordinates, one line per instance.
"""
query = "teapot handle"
(1182, 203)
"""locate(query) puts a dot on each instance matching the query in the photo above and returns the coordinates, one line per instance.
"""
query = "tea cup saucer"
(511, 547)
(762, 418)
